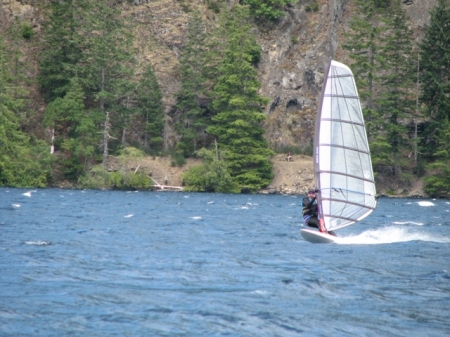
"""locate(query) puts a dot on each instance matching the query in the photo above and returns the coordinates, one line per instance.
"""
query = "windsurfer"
(310, 212)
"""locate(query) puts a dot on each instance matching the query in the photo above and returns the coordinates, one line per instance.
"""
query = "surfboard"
(314, 236)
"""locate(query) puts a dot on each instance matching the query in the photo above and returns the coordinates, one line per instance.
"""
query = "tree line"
(404, 87)
(98, 98)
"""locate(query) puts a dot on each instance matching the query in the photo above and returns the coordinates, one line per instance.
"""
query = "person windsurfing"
(310, 213)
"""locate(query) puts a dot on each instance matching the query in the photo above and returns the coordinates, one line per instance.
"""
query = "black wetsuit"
(310, 212)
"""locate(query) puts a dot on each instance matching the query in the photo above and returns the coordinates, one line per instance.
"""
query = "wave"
(37, 243)
(425, 203)
(390, 235)
(408, 223)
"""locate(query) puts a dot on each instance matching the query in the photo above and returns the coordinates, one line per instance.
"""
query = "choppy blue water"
(108, 263)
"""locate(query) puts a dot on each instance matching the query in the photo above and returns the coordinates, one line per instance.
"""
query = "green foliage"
(150, 106)
(380, 44)
(438, 185)
(177, 160)
(382, 3)
(313, 7)
(212, 176)
(23, 161)
(128, 180)
(192, 99)
(214, 6)
(96, 178)
(61, 49)
(99, 178)
(435, 74)
(74, 129)
(397, 75)
(130, 151)
(267, 9)
(238, 118)
(362, 45)
(27, 31)
(106, 65)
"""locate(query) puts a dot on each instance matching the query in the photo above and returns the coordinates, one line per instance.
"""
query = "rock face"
(295, 51)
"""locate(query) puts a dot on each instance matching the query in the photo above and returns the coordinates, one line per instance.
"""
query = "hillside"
(294, 51)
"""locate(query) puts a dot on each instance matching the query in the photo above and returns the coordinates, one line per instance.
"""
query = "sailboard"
(342, 164)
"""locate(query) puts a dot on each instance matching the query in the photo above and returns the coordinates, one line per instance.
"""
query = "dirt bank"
(293, 177)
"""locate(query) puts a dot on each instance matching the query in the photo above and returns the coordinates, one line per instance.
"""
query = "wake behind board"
(314, 236)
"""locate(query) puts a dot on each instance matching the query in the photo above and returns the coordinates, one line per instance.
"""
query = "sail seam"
(346, 148)
(342, 121)
(341, 189)
(339, 76)
(349, 203)
(341, 96)
(347, 175)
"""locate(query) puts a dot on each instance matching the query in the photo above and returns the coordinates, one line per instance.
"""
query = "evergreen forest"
(101, 101)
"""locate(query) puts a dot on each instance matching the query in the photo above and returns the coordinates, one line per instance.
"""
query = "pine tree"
(435, 80)
(362, 44)
(397, 71)
(105, 68)
(435, 74)
(75, 130)
(61, 50)
(23, 161)
(149, 105)
(192, 99)
(238, 118)
(20, 70)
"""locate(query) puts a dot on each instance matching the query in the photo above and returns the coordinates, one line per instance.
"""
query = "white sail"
(342, 165)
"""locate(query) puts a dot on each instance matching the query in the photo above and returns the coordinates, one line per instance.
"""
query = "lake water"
(110, 263)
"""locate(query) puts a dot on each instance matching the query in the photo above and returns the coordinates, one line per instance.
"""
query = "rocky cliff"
(295, 51)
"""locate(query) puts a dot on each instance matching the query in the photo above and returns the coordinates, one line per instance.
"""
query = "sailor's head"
(311, 193)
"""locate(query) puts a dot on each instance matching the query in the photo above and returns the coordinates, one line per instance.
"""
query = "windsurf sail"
(342, 165)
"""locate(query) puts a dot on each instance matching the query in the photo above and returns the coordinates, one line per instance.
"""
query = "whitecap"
(408, 223)
(15, 205)
(425, 203)
(390, 235)
(210, 202)
(195, 217)
(260, 292)
(37, 243)
(27, 194)
(128, 216)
